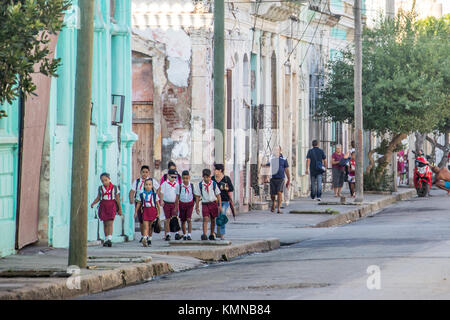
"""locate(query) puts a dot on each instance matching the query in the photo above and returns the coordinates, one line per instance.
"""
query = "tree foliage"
(405, 79)
(26, 26)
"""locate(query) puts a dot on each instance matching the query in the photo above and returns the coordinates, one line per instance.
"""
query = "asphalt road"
(408, 243)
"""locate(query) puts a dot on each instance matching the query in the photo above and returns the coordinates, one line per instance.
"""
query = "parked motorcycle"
(422, 174)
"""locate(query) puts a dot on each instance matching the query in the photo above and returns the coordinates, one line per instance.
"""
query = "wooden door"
(142, 112)
(143, 127)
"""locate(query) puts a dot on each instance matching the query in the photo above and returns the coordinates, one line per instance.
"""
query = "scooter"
(422, 175)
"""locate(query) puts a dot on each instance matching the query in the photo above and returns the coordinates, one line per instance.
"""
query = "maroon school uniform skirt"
(149, 213)
(107, 210)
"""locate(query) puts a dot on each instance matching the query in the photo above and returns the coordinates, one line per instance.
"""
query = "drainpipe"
(19, 161)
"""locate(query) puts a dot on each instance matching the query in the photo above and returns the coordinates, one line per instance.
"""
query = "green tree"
(26, 26)
(404, 83)
(429, 30)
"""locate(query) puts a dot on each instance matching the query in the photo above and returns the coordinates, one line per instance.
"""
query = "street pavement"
(408, 243)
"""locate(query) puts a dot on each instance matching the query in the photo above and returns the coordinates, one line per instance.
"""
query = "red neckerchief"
(142, 183)
(108, 192)
(172, 185)
(186, 189)
(207, 186)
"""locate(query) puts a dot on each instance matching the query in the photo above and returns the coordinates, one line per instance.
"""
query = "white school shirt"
(210, 195)
(107, 196)
(186, 194)
(169, 191)
(140, 187)
(149, 203)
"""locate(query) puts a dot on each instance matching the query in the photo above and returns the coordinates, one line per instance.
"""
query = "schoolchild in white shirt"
(168, 193)
(209, 193)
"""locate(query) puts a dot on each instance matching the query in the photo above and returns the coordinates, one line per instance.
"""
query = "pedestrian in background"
(279, 169)
(109, 198)
(316, 165)
(226, 193)
(338, 170)
(351, 174)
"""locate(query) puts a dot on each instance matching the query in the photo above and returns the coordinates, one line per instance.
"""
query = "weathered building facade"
(275, 59)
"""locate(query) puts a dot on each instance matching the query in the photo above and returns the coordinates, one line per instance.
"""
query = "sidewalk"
(41, 272)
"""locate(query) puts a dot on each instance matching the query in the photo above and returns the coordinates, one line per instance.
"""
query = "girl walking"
(148, 205)
(109, 198)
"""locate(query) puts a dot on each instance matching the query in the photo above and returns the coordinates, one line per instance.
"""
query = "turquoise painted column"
(8, 177)
(121, 85)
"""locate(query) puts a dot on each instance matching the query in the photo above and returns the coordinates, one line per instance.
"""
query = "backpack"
(143, 200)
(201, 189)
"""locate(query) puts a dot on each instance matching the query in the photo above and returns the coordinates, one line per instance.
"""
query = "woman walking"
(338, 170)
(226, 191)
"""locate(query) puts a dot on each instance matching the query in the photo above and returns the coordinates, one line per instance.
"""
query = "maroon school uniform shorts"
(186, 209)
(210, 209)
(169, 210)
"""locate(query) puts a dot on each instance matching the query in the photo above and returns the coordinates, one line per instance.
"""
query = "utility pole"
(358, 104)
(81, 128)
(219, 93)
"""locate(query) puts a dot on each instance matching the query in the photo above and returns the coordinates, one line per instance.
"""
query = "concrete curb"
(226, 253)
(364, 211)
(93, 282)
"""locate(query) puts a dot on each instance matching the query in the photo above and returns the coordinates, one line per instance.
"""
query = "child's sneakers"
(204, 237)
(189, 237)
(107, 243)
(212, 237)
(167, 237)
(178, 236)
(149, 243)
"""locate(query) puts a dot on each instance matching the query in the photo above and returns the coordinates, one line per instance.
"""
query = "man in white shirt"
(208, 191)
(168, 194)
(137, 187)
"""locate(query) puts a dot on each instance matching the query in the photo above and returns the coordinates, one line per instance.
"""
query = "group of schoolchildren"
(175, 195)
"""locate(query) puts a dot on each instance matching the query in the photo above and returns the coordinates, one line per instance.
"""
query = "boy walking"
(168, 196)
(209, 193)
(185, 199)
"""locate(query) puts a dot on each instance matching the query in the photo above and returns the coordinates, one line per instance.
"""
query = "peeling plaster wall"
(173, 99)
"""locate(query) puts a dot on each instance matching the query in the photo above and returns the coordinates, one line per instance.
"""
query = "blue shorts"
(447, 184)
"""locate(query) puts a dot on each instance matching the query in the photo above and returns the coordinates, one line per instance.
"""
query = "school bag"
(156, 226)
(221, 220)
(174, 224)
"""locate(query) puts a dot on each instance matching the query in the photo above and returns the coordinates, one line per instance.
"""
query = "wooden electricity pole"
(81, 128)
(219, 83)
(358, 104)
